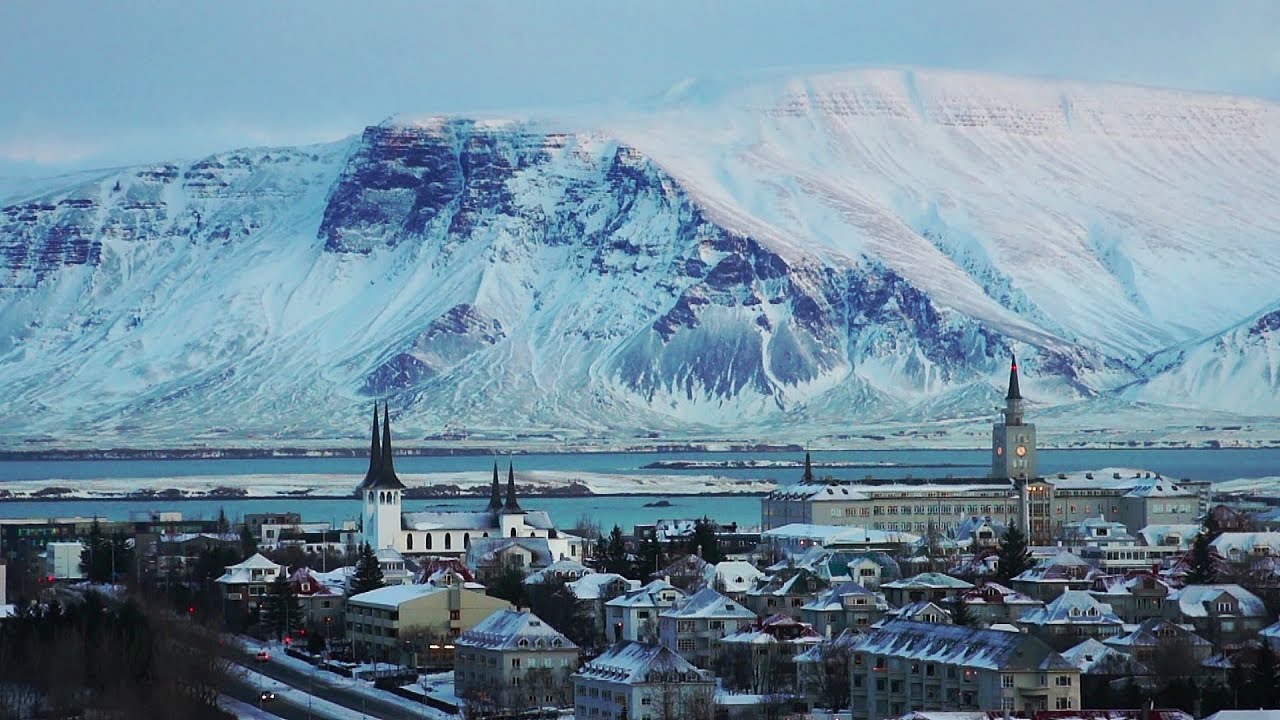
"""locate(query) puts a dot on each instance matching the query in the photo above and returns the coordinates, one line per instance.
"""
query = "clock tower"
(1013, 442)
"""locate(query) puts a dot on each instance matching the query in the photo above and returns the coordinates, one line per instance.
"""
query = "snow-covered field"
(340, 485)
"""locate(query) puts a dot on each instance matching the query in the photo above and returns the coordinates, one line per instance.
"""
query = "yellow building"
(393, 622)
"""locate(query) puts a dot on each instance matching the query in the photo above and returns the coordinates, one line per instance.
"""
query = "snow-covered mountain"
(786, 258)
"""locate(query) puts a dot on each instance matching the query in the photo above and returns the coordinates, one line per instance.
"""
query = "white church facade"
(385, 524)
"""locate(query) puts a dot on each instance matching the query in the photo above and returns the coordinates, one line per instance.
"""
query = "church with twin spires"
(385, 524)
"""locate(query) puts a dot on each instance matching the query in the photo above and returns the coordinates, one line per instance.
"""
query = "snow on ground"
(299, 697)
(324, 678)
(244, 710)
(326, 485)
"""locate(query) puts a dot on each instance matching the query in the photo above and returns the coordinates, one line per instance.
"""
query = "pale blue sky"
(85, 84)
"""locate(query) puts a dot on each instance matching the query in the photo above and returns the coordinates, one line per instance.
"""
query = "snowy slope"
(791, 256)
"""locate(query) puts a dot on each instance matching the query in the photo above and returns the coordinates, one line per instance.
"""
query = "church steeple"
(375, 454)
(495, 494)
(808, 468)
(1015, 393)
(511, 505)
(382, 472)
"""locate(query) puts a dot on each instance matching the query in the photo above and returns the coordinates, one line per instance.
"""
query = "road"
(325, 686)
(245, 689)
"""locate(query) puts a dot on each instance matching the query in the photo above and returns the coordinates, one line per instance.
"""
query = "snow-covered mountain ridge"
(791, 257)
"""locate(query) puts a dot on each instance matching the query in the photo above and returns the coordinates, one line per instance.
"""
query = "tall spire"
(375, 453)
(808, 468)
(495, 494)
(511, 506)
(1015, 393)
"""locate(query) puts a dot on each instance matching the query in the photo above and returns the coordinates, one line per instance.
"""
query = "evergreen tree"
(248, 543)
(282, 611)
(1262, 690)
(648, 559)
(705, 542)
(368, 575)
(95, 555)
(960, 614)
(615, 553)
(224, 527)
(1014, 558)
(507, 584)
(1203, 571)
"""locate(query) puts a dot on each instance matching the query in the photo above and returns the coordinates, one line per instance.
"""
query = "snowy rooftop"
(994, 592)
(1181, 535)
(833, 534)
(1092, 656)
(1154, 632)
(514, 630)
(1232, 545)
(832, 600)
(392, 596)
(1157, 487)
(1194, 600)
(959, 645)
(736, 575)
(1072, 607)
(1061, 567)
(708, 603)
(651, 595)
(558, 570)
(632, 663)
(933, 580)
(591, 585)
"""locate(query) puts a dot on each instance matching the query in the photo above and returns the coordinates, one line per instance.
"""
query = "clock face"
(1022, 450)
(999, 450)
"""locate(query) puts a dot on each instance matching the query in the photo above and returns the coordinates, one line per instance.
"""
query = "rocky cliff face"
(808, 268)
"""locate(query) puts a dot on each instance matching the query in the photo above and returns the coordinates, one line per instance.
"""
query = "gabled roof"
(393, 596)
(635, 663)
(1073, 607)
(1154, 632)
(257, 561)
(591, 585)
(487, 550)
(777, 628)
(1234, 544)
(1063, 567)
(921, 610)
(708, 603)
(1194, 600)
(832, 600)
(845, 640)
(735, 575)
(960, 645)
(994, 593)
(514, 630)
(1152, 535)
(566, 569)
(930, 580)
(1094, 658)
(647, 595)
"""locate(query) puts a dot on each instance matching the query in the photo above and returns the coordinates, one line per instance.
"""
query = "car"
(266, 696)
(263, 656)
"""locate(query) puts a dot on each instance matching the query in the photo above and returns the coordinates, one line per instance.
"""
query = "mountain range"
(787, 258)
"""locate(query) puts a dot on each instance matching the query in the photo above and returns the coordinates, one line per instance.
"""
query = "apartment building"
(378, 621)
(514, 661)
(906, 665)
(639, 681)
(696, 624)
(634, 615)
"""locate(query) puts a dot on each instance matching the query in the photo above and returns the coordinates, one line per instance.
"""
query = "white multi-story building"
(638, 681)
(696, 624)
(634, 616)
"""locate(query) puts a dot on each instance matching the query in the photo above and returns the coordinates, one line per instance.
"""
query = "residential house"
(1226, 615)
(925, 611)
(1242, 548)
(1070, 618)
(1162, 644)
(1135, 596)
(694, 626)
(1047, 580)
(593, 591)
(321, 604)
(395, 569)
(1100, 666)
(786, 591)
(868, 569)
(638, 681)
(907, 665)
(514, 661)
(488, 556)
(387, 624)
(734, 578)
(978, 531)
(558, 572)
(244, 585)
(844, 606)
(761, 658)
(930, 586)
(688, 573)
(991, 603)
(634, 616)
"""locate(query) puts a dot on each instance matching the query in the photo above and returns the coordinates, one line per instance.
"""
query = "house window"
(408, 541)
(428, 541)
(1062, 703)
(448, 541)
(1006, 681)
(1224, 607)
(1062, 681)
(455, 614)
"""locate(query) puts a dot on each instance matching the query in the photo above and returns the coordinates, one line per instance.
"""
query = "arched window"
(486, 535)
(409, 542)
(513, 532)
(448, 541)
(466, 540)
(428, 541)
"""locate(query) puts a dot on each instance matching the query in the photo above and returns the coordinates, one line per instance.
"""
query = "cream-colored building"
(381, 623)
(638, 681)
(512, 660)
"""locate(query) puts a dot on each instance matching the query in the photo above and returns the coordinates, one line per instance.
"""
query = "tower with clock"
(1013, 442)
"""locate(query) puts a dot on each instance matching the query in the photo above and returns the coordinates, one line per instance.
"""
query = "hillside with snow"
(786, 259)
